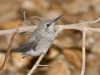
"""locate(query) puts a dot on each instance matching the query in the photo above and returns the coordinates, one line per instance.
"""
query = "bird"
(40, 39)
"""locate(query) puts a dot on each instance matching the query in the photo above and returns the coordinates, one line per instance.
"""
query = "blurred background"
(66, 49)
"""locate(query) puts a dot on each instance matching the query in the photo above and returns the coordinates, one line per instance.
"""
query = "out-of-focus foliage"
(66, 49)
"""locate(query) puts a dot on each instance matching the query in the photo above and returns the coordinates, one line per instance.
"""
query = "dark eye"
(47, 25)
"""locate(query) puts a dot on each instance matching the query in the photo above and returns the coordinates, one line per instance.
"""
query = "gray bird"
(40, 39)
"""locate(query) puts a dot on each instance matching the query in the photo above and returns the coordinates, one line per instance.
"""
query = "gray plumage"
(40, 39)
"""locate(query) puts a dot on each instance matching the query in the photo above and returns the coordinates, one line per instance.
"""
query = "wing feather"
(27, 46)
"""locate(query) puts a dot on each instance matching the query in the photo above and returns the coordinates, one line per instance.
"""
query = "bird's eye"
(47, 25)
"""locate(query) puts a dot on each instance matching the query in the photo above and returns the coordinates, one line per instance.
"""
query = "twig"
(34, 17)
(24, 14)
(83, 51)
(23, 29)
(9, 49)
(37, 17)
(10, 45)
(35, 65)
(88, 22)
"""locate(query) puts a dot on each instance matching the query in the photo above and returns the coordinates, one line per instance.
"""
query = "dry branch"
(83, 51)
(36, 64)
(76, 26)
(9, 49)
(32, 28)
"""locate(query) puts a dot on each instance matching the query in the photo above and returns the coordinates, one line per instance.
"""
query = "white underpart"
(34, 53)
(50, 36)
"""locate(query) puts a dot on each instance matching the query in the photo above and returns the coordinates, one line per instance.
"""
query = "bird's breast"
(49, 36)
(43, 45)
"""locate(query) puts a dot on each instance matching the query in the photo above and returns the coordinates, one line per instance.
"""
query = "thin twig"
(83, 51)
(37, 17)
(34, 17)
(88, 22)
(24, 14)
(9, 49)
(35, 65)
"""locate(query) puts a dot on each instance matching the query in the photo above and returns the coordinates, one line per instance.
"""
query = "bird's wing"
(27, 46)
(31, 43)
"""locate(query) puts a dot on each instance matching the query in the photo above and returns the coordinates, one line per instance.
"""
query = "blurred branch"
(9, 48)
(23, 29)
(76, 26)
(24, 14)
(61, 27)
(83, 52)
(36, 64)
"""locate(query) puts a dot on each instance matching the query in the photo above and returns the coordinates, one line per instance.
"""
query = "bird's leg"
(24, 55)
(46, 65)
(26, 32)
(43, 53)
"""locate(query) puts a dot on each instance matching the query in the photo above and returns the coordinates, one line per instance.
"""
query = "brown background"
(66, 49)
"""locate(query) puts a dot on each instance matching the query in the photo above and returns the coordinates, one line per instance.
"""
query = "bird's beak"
(57, 19)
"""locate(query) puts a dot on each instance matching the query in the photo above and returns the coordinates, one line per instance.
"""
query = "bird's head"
(48, 25)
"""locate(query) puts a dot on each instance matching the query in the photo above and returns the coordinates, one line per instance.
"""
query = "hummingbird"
(40, 39)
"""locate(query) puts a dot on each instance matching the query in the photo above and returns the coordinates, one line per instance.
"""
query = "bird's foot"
(24, 55)
(46, 65)
(43, 53)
